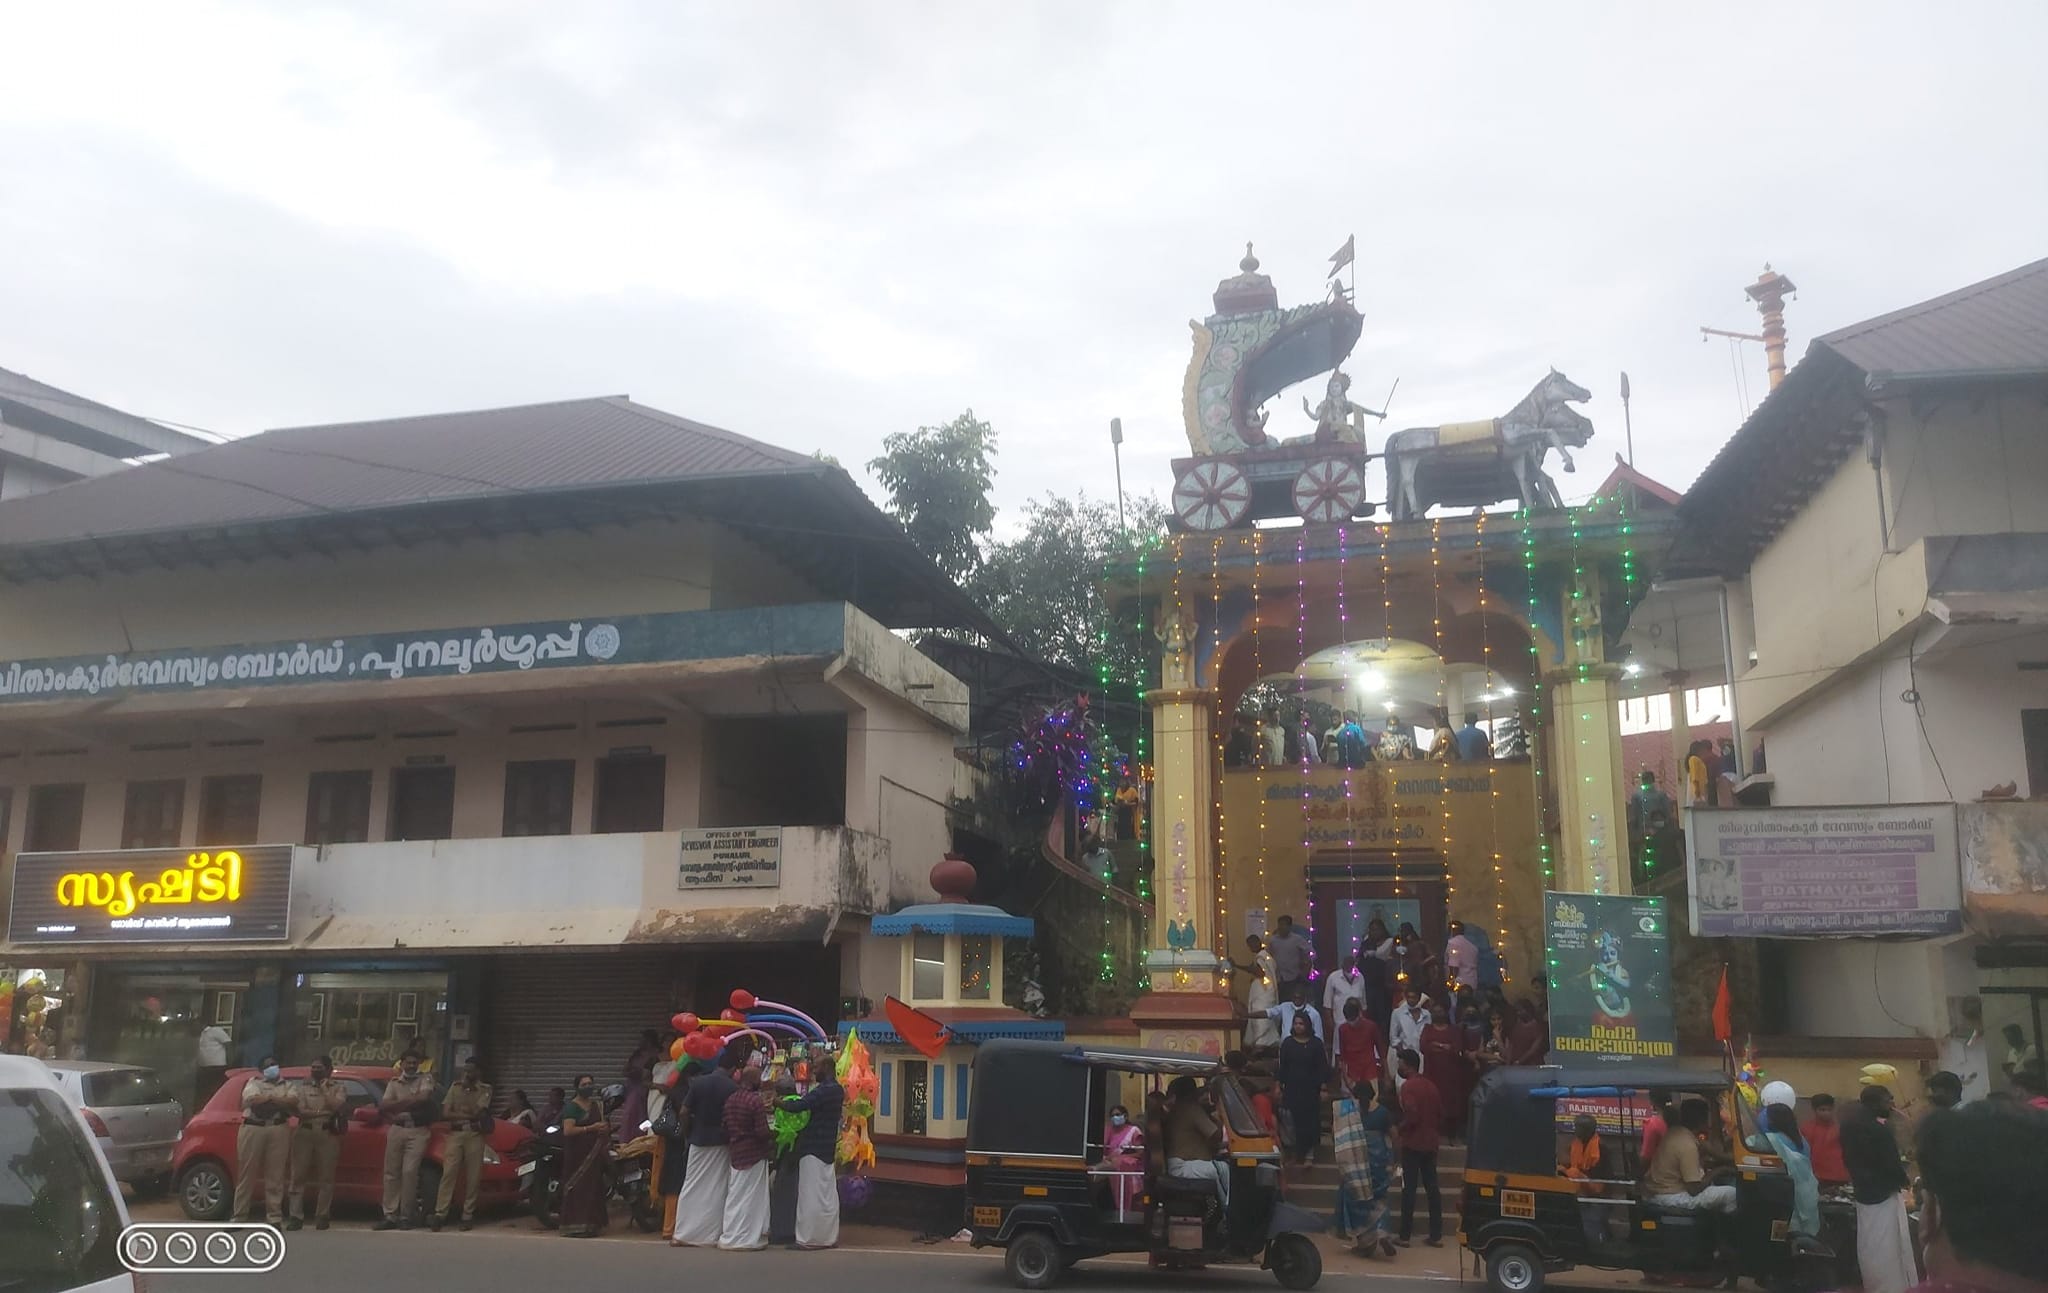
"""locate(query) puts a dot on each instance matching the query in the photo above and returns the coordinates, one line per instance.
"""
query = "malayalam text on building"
(1821, 872)
(152, 896)
(731, 857)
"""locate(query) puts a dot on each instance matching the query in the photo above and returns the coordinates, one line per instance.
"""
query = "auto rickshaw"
(1526, 1219)
(1040, 1184)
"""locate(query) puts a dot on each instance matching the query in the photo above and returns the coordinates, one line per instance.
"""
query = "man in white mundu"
(700, 1208)
(817, 1197)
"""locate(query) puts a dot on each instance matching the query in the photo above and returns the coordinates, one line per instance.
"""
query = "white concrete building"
(489, 681)
(1882, 521)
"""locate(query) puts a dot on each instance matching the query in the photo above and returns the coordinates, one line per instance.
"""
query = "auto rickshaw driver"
(1678, 1180)
(1194, 1140)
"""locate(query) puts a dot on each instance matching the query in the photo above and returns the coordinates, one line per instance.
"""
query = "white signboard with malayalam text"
(731, 857)
(1823, 872)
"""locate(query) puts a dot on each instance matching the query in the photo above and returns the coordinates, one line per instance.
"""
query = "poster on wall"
(1823, 872)
(167, 896)
(1610, 978)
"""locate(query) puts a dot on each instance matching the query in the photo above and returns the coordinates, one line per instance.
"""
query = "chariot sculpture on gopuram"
(1250, 350)
(1246, 353)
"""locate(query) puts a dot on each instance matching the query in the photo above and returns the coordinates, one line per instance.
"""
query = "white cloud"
(818, 223)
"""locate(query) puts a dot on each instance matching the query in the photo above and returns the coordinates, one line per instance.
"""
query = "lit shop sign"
(152, 896)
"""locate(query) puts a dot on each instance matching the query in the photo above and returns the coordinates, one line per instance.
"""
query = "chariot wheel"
(1329, 490)
(1212, 495)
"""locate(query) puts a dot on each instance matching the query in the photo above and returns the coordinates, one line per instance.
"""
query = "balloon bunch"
(1750, 1078)
(745, 1015)
(863, 1087)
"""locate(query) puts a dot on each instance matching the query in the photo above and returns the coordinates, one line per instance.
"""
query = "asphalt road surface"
(495, 1260)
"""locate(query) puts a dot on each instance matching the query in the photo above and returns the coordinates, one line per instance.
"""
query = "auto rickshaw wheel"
(1033, 1260)
(1295, 1260)
(1514, 1268)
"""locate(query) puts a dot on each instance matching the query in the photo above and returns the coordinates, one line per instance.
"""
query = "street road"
(493, 1260)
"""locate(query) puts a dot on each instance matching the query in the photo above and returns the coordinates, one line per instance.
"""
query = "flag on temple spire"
(1342, 256)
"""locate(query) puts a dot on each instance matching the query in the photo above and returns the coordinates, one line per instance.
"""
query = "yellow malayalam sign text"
(205, 877)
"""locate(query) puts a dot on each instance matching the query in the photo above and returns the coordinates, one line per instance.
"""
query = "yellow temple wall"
(1410, 818)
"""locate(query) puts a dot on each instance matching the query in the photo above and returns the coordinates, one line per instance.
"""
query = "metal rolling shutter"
(553, 1016)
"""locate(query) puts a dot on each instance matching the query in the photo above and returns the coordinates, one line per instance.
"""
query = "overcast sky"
(818, 223)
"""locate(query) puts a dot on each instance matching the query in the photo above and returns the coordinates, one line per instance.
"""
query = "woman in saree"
(1123, 1147)
(1418, 965)
(586, 1140)
(1364, 1133)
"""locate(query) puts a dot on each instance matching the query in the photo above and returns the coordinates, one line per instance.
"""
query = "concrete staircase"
(1316, 1188)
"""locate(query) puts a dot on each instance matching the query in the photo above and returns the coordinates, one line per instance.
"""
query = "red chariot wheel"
(1329, 490)
(1212, 495)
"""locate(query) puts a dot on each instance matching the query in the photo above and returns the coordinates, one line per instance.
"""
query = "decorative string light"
(1343, 636)
(1257, 690)
(1500, 906)
(1301, 690)
(1629, 592)
(1582, 713)
(1436, 619)
(1532, 731)
(1217, 858)
(1393, 836)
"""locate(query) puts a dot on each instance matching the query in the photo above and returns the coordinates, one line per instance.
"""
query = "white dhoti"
(746, 1208)
(700, 1207)
(1203, 1169)
(817, 1204)
(1884, 1246)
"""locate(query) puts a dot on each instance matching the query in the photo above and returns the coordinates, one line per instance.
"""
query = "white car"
(135, 1118)
(61, 1214)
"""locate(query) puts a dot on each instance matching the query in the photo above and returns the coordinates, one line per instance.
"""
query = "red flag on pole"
(1724, 1026)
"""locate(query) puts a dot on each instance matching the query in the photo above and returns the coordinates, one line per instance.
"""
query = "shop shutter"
(553, 1016)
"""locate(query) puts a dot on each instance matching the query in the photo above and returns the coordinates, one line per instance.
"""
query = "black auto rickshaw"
(1526, 1219)
(1041, 1185)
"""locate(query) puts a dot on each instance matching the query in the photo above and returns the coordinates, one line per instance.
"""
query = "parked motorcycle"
(628, 1173)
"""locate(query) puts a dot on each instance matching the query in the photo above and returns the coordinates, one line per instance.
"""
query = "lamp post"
(1116, 449)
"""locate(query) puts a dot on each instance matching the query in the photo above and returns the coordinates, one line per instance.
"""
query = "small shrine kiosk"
(951, 972)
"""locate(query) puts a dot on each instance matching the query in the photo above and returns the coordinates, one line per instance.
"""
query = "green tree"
(938, 480)
(1044, 587)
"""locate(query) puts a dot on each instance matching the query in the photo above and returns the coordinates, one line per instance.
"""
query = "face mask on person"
(1116, 1120)
(586, 1090)
(270, 1073)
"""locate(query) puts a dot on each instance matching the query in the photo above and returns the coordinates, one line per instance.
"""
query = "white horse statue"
(1473, 464)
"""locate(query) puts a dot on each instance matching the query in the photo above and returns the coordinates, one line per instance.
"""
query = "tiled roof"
(1997, 326)
(303, 472)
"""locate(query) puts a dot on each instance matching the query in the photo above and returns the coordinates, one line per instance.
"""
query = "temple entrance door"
(1350, 888)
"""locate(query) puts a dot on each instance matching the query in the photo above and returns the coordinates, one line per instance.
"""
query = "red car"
(204, 1163)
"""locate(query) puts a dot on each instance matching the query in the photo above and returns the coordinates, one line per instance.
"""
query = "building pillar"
(1681, 733)
(1187, 1008)
(1585, 748)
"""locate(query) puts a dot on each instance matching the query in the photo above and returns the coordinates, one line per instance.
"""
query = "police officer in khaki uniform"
(316, 1145)
(467, 1107)
(263, 1143)
(408, 1112)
